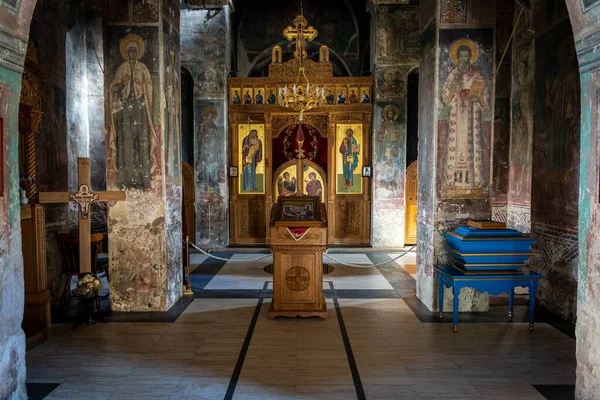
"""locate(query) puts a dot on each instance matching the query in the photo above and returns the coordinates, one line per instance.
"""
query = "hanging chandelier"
(301, 96)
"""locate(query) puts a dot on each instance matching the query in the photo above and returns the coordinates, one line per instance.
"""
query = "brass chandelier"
(302, 95)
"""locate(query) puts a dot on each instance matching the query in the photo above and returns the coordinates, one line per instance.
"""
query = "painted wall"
(85, 106)
(396, 53)
(457, 161)
(584, 16)
(501, 141)
(205, 47)
(12, 338)
(144, 231)
(521, 130)
(555, 162)
(172, 150)
(426, 166)
(52, 145)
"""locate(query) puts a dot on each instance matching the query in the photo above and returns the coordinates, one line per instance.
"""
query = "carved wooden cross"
(301, 32)
(84, 198)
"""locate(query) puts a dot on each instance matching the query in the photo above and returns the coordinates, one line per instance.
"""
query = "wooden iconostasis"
(322, 156)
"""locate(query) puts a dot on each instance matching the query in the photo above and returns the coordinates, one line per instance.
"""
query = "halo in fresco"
(131, 38)
(463, 42)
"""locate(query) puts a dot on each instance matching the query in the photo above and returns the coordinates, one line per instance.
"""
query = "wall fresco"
(453, 11)
(426, 167)
(172, 90)
(397, 34)
(205, 43)
(48, 48)
(389, 151)
(143, 112)
(396, 43)
(134, 145)
(521, 137)
(145, 10)
(465, 112)
(172, 154)
(555, 165)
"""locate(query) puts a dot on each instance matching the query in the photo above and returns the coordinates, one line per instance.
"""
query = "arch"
(279, 179)
(410, 217)
(322, 175)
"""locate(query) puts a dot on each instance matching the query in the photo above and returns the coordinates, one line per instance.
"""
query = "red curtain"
(285, 146)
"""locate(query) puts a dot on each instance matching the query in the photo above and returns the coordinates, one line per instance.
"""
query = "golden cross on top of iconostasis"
(301, 32)
(84, 198)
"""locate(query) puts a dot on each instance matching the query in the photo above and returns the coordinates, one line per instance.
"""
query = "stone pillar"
(501, 138)
(521, 126)
(205, 48)
(396, 41)
(144, 153)
(587, 331)
(555, 161)
(454, 156)
(14, 30)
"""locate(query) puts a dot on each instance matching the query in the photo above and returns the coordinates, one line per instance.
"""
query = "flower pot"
(24, 199)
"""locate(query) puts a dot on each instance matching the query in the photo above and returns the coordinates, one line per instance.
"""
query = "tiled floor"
(371, 346)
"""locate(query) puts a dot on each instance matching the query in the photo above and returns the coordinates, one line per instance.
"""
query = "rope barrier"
(325, 254)
(372, 265)
(227, 259)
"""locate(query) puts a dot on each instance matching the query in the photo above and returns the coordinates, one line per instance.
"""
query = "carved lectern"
(298, 240)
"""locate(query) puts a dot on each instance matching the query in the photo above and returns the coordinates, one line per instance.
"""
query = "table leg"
(440, 296)
(511, 300)
(455, 292)
(532, 293)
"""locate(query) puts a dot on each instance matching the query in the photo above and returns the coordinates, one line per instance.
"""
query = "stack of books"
(488, 247)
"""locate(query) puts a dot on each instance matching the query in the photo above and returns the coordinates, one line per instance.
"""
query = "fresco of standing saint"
(390, 132)
(131, 111)
(208, 164)
(467, 95)
(173, 95)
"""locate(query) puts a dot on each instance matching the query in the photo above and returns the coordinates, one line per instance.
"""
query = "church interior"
(266, 199)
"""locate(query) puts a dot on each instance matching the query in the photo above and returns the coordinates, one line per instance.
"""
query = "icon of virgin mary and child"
(251, 156)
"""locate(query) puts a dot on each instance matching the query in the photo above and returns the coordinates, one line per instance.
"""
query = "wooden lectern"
(298, 240)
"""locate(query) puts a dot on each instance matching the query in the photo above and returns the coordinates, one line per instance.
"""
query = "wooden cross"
(84, 198)
(301, 32)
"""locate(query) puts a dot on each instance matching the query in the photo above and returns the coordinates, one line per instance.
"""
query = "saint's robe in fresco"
(208, 147)
(466, 94)
(173, 94)
(131, 113)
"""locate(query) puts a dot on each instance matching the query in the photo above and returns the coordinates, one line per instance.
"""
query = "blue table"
(493, 284)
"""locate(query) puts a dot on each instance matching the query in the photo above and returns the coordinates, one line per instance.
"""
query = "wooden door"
(188, 201)
(410, 217)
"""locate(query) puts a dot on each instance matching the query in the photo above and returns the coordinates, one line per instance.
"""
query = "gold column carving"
(36, 317)
(30, 115)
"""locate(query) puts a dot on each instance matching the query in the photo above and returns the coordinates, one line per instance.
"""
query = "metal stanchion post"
(186, 266)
